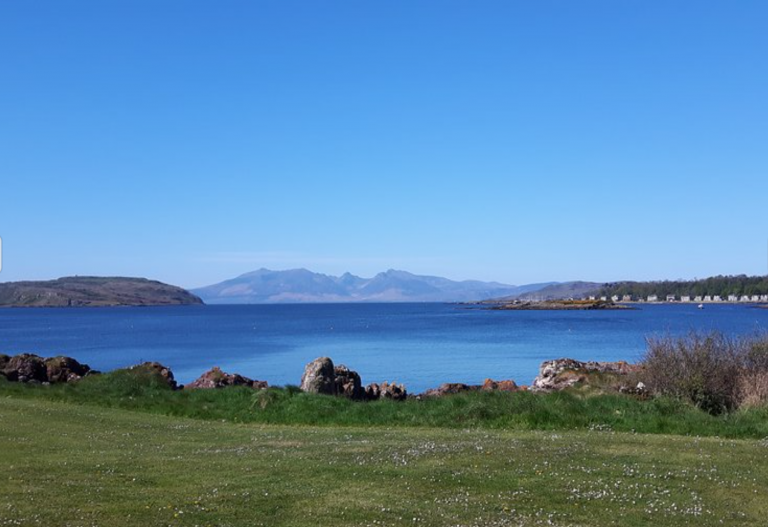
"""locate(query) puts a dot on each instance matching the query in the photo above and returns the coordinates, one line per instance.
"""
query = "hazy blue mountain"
(300, 285)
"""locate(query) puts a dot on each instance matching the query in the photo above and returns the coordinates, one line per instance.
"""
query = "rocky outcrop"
(500, 386)
(321, 376)
(155, 369)
(26, 367)
(347, 383)
(452, 388)
(65, 369)
(385, 390)
(559, 374)
(216, 378)
(30, 368)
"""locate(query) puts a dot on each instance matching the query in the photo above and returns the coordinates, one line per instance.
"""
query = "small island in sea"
(531, 305)
(91, 291)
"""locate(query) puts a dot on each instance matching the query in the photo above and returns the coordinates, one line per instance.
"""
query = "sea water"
(420, 345)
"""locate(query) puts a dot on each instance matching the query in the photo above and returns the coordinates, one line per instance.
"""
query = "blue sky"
(513, 141)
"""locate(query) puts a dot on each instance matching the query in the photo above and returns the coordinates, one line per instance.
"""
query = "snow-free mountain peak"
(265, 286)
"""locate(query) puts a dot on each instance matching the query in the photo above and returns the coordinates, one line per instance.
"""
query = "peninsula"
(92, 291)
(559, 305)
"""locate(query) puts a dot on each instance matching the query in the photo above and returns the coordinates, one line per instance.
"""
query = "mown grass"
(72, 465)
(487, 410)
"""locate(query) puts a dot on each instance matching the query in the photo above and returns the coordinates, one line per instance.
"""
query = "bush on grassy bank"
(713, 372)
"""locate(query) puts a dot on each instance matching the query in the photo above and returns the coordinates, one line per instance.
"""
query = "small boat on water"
(700, 306)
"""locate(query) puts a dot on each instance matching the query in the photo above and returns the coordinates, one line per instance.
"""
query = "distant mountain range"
(300, 285)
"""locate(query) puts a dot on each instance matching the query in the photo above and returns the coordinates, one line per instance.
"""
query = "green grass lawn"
(76, 464)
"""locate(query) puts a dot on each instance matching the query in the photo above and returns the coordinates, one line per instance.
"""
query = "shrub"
(753, 383)
(703, 369)
(714, 372)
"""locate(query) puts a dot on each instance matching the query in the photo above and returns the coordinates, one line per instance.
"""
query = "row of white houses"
(686, 298)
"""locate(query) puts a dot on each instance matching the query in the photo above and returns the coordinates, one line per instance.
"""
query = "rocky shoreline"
(321, 376)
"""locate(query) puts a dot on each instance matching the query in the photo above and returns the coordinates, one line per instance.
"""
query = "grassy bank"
(66, 464)
(486, 410)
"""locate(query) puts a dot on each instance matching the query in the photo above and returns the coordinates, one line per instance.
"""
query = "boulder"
(319, 377)
(3, 362)
(155, 369)
(26, 367)
(385, 390)
(372, 392)
(216, 378)
(65, 369)
(499, 386)
(347, 383)
(563, 373)
(450, 388)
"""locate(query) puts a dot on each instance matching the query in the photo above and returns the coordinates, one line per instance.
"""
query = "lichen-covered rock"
(347, 383)
(26, 367)
(65, 369)
(319, 377)
(155, 369)
(500, 386)
(216, 378)
(563, 373)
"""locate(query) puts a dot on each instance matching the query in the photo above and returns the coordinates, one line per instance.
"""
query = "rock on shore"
(385, 390)
(30, 368)
(216, 378)
(321, 376)
(559, 374)
(451, 388)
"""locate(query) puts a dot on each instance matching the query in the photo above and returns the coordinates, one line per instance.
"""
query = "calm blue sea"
(421, 345)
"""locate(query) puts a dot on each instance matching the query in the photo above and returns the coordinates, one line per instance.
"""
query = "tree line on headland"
(723, 286)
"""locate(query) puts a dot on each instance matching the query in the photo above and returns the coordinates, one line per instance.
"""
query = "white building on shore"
(685, 298)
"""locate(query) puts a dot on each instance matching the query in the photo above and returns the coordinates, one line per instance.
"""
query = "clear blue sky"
(516, 141)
